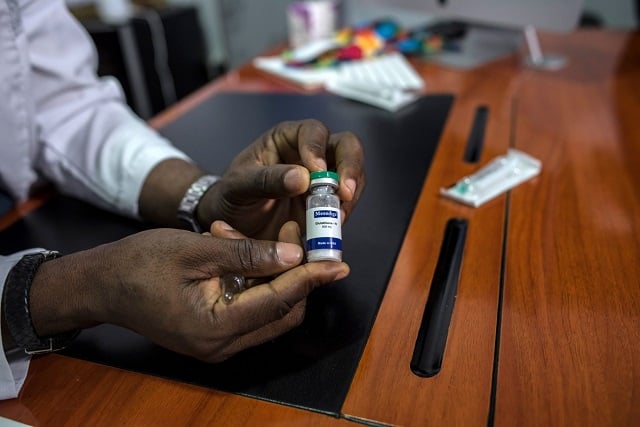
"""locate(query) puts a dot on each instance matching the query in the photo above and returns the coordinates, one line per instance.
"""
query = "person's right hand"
(165, 285)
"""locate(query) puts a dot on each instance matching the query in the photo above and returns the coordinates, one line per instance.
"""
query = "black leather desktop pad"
(313, 365)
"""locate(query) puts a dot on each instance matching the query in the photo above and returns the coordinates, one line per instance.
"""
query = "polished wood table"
(546, 325)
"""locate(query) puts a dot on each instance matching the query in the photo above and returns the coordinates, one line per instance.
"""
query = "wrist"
(19, 312)
(63, 294)
(164, 188)
(207, 212)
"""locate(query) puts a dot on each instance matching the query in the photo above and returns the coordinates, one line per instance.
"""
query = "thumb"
(255, 258)
(273, 182)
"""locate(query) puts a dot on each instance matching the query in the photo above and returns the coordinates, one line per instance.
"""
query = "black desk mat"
(312, 366)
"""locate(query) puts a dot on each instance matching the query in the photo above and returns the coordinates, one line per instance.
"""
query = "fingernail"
(288, 253)
(224, 225)
(341, 275)
(351, 185)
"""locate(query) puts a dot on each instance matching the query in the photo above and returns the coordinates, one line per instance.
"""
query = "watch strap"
(191, 200)
(16, 311)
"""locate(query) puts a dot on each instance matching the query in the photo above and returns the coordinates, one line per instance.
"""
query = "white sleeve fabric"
(90, 144)
(14, 363)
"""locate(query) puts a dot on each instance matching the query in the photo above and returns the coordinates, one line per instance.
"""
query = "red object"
(350, 52)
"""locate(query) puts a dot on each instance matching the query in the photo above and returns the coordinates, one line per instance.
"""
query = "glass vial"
(324, 222)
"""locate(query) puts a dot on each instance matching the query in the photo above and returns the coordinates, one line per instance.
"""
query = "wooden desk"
(546, 326)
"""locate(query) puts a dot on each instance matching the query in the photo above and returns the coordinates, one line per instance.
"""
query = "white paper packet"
(499, 175)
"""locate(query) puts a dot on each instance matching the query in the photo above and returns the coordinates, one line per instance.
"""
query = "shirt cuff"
(131, 152)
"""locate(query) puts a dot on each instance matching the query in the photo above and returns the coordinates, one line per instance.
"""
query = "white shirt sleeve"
(14, 363)
(89, 142)
(85, 139)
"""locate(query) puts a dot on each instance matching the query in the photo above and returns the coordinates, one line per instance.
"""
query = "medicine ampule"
(324, 222)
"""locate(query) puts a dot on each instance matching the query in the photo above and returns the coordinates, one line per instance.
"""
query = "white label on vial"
(324, 229)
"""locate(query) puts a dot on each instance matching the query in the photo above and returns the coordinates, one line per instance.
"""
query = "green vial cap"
(325, 174)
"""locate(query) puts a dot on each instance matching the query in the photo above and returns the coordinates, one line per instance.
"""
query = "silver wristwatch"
(191, 199)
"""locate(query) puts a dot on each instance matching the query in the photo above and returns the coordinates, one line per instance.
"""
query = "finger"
(267, 332)
(269, 302)
(223, 230)
(249, 257)
(307, 139)
(272, 181)
(349, 158)
(290, 232)
(349, 155)
(280, 166)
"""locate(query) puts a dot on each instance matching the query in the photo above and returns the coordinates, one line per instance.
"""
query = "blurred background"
(162, 50)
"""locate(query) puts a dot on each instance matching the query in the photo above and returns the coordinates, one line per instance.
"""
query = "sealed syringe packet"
(499, 175)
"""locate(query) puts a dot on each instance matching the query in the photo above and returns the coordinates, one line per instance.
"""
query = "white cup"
(311, 21)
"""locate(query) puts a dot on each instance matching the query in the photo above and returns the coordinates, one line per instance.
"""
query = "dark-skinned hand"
(265, 185)
(165, 285)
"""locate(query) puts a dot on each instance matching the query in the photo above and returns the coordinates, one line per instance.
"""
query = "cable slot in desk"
(476, 136)
(434, 329)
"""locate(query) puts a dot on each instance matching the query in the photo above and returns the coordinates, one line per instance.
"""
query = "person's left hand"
(265, 185)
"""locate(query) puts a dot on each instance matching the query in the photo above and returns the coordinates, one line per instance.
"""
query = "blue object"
(410, 45)
(386, 29)
(6, 203)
